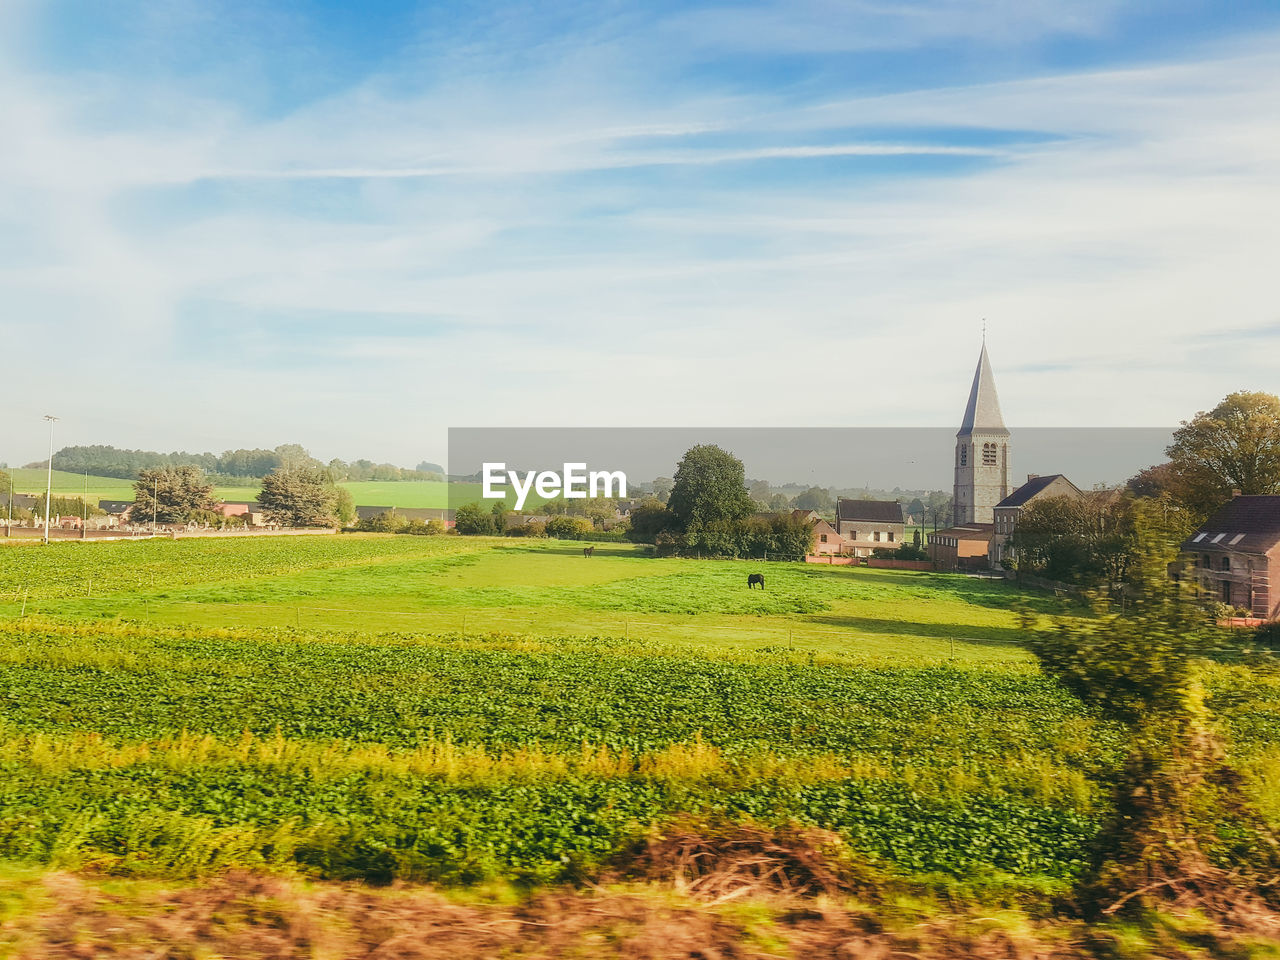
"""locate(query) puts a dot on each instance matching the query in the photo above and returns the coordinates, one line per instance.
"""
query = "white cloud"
(571, 281)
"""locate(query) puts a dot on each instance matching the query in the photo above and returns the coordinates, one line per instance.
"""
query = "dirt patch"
(255, 917)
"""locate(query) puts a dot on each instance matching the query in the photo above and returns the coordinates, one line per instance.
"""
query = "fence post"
(297, 618)
(953, 648)
(464, 626)
(24, 601)
(89, 592)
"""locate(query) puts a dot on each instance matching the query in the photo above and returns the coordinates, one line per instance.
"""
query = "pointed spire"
(982, 413)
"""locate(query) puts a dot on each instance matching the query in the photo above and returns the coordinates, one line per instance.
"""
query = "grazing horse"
(755, 578)
(588, 551)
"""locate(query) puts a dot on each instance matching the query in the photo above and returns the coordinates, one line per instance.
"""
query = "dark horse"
(588, 551)
(755, 578)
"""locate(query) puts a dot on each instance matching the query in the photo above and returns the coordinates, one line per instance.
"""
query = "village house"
(1008, 510)
(826, 542)
(1233, 555)
(964, 546)
(867, 525)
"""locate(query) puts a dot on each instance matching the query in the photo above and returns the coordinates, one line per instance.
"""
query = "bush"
(472, 520)
(1268, 635)
(567, 528)
(534, 528)
(385, 523)
(905, 552)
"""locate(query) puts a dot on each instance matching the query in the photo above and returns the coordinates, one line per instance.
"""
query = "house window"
(822, 538)
(1226, 563)
(876, 537)
(989, 454)
(1226, 591)
(891, 536)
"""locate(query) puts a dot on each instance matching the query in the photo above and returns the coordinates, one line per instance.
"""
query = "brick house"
(826, 542)
(1234, 553)
(1008, 510)
(965, 546)
(866, 525)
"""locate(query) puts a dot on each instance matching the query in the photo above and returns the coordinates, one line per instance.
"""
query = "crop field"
(180, 708)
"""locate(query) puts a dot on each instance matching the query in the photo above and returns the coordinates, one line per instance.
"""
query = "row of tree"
(231, 465)
(301, 496)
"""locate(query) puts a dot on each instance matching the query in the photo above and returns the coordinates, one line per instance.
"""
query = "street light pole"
(48, 489)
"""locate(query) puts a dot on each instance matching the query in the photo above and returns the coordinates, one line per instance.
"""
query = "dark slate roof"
(115, 506)
(1249, 524)
(982, 413)
(874, 511)
(1030, 489)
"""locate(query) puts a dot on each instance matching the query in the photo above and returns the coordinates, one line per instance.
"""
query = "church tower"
(982, 451)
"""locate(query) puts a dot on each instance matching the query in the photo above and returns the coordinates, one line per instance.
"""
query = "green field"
(469, 710)
(374, 493)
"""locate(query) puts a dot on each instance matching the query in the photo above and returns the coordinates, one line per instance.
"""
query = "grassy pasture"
(540, 588)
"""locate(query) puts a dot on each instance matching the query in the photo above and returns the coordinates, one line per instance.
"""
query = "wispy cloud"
(548, 234)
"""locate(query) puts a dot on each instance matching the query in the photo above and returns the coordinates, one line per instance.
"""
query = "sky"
(354, 226)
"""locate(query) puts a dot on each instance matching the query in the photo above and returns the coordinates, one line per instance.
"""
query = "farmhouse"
(1008, 510)
(1235, 552)
(865, 525)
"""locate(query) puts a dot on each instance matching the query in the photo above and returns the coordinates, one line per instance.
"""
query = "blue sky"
(355, 225)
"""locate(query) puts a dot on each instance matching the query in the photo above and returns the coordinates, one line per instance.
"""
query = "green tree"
(709, 488)
(816, 499)
(779, 502)
(649, 518)
(567, 528)
(472, 520)
(300, 497)
(1088, 540)
(499, 513)
(170, 495)
(1234, 446)
(344, 506)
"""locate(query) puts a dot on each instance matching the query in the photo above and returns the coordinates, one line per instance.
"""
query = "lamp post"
(48, 489)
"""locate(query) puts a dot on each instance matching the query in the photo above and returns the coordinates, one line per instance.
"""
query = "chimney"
(1031, 476)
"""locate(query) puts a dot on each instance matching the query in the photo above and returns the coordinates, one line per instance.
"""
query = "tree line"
(229, 466)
